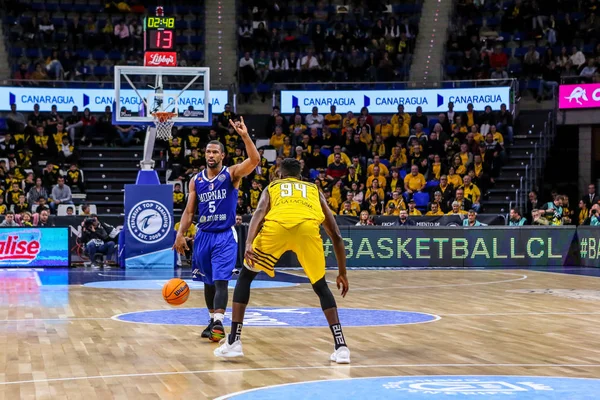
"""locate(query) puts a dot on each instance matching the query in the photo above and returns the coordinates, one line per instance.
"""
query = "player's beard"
(215, 164)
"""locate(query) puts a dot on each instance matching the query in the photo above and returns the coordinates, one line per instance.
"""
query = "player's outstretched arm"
(333, 231)
(186, 219)
(239, 171)
(264, 205)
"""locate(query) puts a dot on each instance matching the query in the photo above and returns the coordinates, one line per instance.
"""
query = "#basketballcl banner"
(455, 247)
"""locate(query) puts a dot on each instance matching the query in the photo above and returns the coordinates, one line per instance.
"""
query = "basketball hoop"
(164, 124)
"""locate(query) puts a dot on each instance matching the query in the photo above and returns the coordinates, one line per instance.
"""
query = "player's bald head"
(290, 168)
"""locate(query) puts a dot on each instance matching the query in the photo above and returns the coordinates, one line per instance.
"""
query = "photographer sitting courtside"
(96, 240)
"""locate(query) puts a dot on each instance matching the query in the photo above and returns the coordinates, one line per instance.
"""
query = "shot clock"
(159, 41)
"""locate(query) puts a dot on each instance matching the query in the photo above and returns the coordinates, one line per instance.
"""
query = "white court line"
(295, 368)
(521, 278)
(437, 315)
(52, 319)
(519, 313)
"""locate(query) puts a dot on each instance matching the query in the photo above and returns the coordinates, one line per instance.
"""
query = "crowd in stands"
(325, 43)
(381, 165)
(539, 42)
(559, 210)
(39, 164)
(84, 42)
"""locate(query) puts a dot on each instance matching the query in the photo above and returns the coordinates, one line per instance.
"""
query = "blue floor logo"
(432, 387)
(281, 317)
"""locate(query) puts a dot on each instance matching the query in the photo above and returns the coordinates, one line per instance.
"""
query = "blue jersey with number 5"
(217, 201)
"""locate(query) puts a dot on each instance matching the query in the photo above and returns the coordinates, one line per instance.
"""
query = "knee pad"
(241, 294)
(325, 296)
(221, 295)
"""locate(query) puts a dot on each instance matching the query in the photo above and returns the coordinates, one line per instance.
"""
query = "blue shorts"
(215, 255)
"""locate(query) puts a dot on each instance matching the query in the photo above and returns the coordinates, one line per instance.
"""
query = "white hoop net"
(164, 124)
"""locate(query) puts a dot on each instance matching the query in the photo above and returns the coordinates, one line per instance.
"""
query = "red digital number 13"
(164, 39)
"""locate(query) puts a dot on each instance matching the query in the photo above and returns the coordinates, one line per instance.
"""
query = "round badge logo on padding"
(149, 221)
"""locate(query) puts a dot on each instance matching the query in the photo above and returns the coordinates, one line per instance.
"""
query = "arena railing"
(532, 180)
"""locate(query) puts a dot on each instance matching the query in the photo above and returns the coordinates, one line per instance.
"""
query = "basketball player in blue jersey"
(215, 192)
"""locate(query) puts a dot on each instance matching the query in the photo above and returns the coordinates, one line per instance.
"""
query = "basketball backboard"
(143, 90)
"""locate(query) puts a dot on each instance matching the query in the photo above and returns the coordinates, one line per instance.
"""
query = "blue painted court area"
(157, 284)
(281, 317)
(431, 387)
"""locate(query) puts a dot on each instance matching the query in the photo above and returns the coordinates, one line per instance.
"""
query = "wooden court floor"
(492, 322)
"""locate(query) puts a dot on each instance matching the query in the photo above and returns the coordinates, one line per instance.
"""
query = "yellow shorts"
(303, 239)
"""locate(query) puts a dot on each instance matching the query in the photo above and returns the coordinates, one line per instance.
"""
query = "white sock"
(219, 317)
(212, 315)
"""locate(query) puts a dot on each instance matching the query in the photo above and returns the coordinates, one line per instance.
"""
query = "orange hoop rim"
(163, 116)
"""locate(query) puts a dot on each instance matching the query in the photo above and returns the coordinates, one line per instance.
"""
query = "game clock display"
(159, 33)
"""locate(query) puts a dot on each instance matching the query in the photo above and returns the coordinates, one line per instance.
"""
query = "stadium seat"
(61, 210)
(421, 199)
(270, 155)
(93, 209)
(431, 184)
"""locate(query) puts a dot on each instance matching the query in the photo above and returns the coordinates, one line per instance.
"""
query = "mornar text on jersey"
(213, 195)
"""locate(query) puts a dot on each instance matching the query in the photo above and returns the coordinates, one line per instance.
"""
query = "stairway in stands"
(526, 136)
(106, 172)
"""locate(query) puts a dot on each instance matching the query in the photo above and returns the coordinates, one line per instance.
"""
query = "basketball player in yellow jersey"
(292, 212)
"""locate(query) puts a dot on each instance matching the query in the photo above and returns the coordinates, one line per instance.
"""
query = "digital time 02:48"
(160, 23)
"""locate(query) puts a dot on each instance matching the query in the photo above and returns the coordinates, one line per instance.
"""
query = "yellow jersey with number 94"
(293, 202)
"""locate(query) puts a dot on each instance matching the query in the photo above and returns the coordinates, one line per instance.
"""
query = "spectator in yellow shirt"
(395, 183)
(348, 210)
(298, 124)
(189, 239)
(398, 157)
(377, 175)
(277, 138)
(391, 210)
(397, 200)
(378, 147)
(384, 128)
(415, 181)
(401, 123)
(412, 209)
(331, 202)
(435, 210)
(497, 135)
(338, 150)
(333, 120)
(456, 210)
(470, 116)
(375, 188)
(354, 205)
(453, 178)
(472, 193)
(377, 163)
(350, 120)
(366, 138)
(477, 136)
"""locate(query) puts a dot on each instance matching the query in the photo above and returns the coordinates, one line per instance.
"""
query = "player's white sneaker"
(341, 355)
(227, 350)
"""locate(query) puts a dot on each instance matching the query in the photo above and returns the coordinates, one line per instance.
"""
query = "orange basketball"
(176, 292)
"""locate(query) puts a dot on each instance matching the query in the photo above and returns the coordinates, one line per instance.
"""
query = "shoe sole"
(229, 355)
(343, 361)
